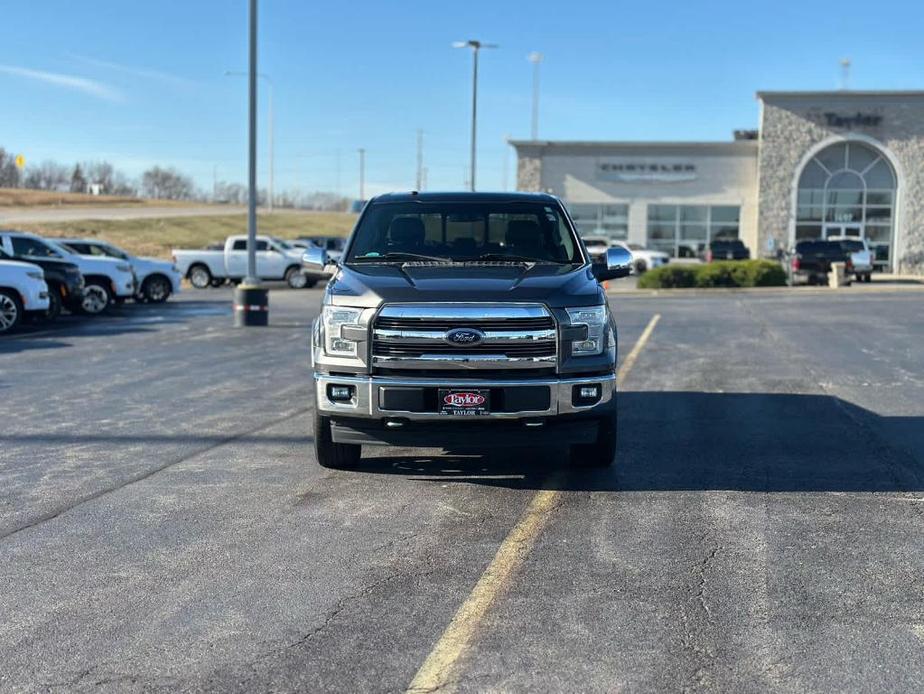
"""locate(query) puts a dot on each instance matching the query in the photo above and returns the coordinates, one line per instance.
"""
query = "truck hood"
(556, 286)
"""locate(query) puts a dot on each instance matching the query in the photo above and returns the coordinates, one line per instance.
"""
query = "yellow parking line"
(437, 668)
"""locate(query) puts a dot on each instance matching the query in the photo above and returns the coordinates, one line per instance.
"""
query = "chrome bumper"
(365, 403)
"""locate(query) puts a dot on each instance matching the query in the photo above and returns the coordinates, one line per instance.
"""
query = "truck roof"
(413, 196)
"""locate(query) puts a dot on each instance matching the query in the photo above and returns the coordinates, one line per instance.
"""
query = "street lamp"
(476, 46)
(535, 58)
(269, 122)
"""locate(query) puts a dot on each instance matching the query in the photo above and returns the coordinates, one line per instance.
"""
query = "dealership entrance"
(848, 189)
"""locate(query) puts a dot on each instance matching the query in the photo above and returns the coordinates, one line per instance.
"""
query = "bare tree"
(49, 175)
(78, 180)
(9, 173)
(166, 184)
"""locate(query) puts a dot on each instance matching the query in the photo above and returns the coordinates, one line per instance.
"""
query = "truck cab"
(453, 318)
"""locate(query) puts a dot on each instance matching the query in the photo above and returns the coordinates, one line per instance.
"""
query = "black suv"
(65, 283)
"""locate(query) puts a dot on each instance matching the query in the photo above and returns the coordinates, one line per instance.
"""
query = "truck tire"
(10, 310)
(96, 297)
(199, 276)
(640, 267)
(295, 278)
(338, 456)
(602, 452)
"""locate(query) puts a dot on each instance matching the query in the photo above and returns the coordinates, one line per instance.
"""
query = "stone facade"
(794, 125)
(529, 169)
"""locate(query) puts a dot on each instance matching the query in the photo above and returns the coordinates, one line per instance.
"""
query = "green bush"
(669, 277)
(724, 273)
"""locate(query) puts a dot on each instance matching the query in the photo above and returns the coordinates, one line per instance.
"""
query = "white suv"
(157, 279)
(22, 290)
(106, 279)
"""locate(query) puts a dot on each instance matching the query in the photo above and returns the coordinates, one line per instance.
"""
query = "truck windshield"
(462, 232)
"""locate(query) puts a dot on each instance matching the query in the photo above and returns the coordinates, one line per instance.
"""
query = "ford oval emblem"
(464, 336)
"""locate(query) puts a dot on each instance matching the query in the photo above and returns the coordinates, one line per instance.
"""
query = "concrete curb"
(855, 289)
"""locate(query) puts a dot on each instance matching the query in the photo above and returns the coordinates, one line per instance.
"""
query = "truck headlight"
(124, 267)
(594, 317)
(36, 274)
(333, 318)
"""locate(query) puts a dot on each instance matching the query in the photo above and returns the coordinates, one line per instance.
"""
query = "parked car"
(810, 261)
(65, 283)
(156, 279)
(275, 261)
(106, 280)
(597, 247)
(862, 257)
(730, 249)
(22, 292)
(333, 244)
(501, 341)
(644, 259)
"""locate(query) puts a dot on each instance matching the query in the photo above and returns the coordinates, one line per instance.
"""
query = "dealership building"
(821, 164)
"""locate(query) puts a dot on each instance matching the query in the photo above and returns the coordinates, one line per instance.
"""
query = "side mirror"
(315, 259)
(618, 264)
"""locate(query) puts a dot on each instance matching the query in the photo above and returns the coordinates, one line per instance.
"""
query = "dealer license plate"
(464, 402)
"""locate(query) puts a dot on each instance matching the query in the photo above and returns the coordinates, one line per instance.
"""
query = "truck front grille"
(515, 336)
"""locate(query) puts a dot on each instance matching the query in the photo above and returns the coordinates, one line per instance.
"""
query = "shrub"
(669, 277)
(724, 273)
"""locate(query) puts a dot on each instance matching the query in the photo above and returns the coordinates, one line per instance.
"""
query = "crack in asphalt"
(695, 639)
(147, 474)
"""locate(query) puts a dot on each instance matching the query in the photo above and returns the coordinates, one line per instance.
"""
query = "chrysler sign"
(642, 171)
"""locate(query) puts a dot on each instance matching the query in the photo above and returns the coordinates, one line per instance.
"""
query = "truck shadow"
(695, 441)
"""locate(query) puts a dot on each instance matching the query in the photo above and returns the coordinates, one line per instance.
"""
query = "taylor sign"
(641, 171)
(868, 120)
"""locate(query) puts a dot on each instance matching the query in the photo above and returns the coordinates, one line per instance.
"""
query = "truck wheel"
(329, 454)
(10, 310)
(156, 289)
(96, 298)
(640, 267)
(295, 278)
(602, 452)
(199, 276)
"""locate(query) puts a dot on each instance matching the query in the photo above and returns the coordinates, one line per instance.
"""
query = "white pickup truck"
(276, 260)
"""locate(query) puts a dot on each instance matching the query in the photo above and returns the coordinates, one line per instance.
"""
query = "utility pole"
(362, 175)
(505, 163)
(535, 58)
(419, 159)
(476, 47)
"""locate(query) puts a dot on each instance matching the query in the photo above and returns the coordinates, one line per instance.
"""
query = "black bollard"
(251, 306)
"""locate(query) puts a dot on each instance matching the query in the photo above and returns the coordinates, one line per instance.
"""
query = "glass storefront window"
(847, 183)
(685, 231)
(601, 220)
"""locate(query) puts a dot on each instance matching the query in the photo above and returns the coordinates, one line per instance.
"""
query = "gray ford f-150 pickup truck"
(465, 320)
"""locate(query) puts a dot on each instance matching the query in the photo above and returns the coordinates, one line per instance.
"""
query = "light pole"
(535, 58)
(476, 46)
(251, 299)
(362, 175)
(269, 124)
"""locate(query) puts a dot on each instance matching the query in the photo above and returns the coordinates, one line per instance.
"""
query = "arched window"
(848, 189)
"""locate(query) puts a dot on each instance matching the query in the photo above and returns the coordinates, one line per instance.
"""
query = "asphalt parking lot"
(163, 525)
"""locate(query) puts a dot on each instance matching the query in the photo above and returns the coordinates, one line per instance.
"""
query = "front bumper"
(369, 401)
(35, 297)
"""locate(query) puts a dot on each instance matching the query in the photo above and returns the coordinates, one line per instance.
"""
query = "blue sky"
(143, 83)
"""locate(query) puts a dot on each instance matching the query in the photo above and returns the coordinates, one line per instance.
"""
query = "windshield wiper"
(399, 256)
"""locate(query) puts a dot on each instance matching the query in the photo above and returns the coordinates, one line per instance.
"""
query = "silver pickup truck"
(862, 257)
(465, 320)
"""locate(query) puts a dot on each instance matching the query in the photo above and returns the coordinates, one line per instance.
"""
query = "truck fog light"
(340, 393)
(586, 395)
